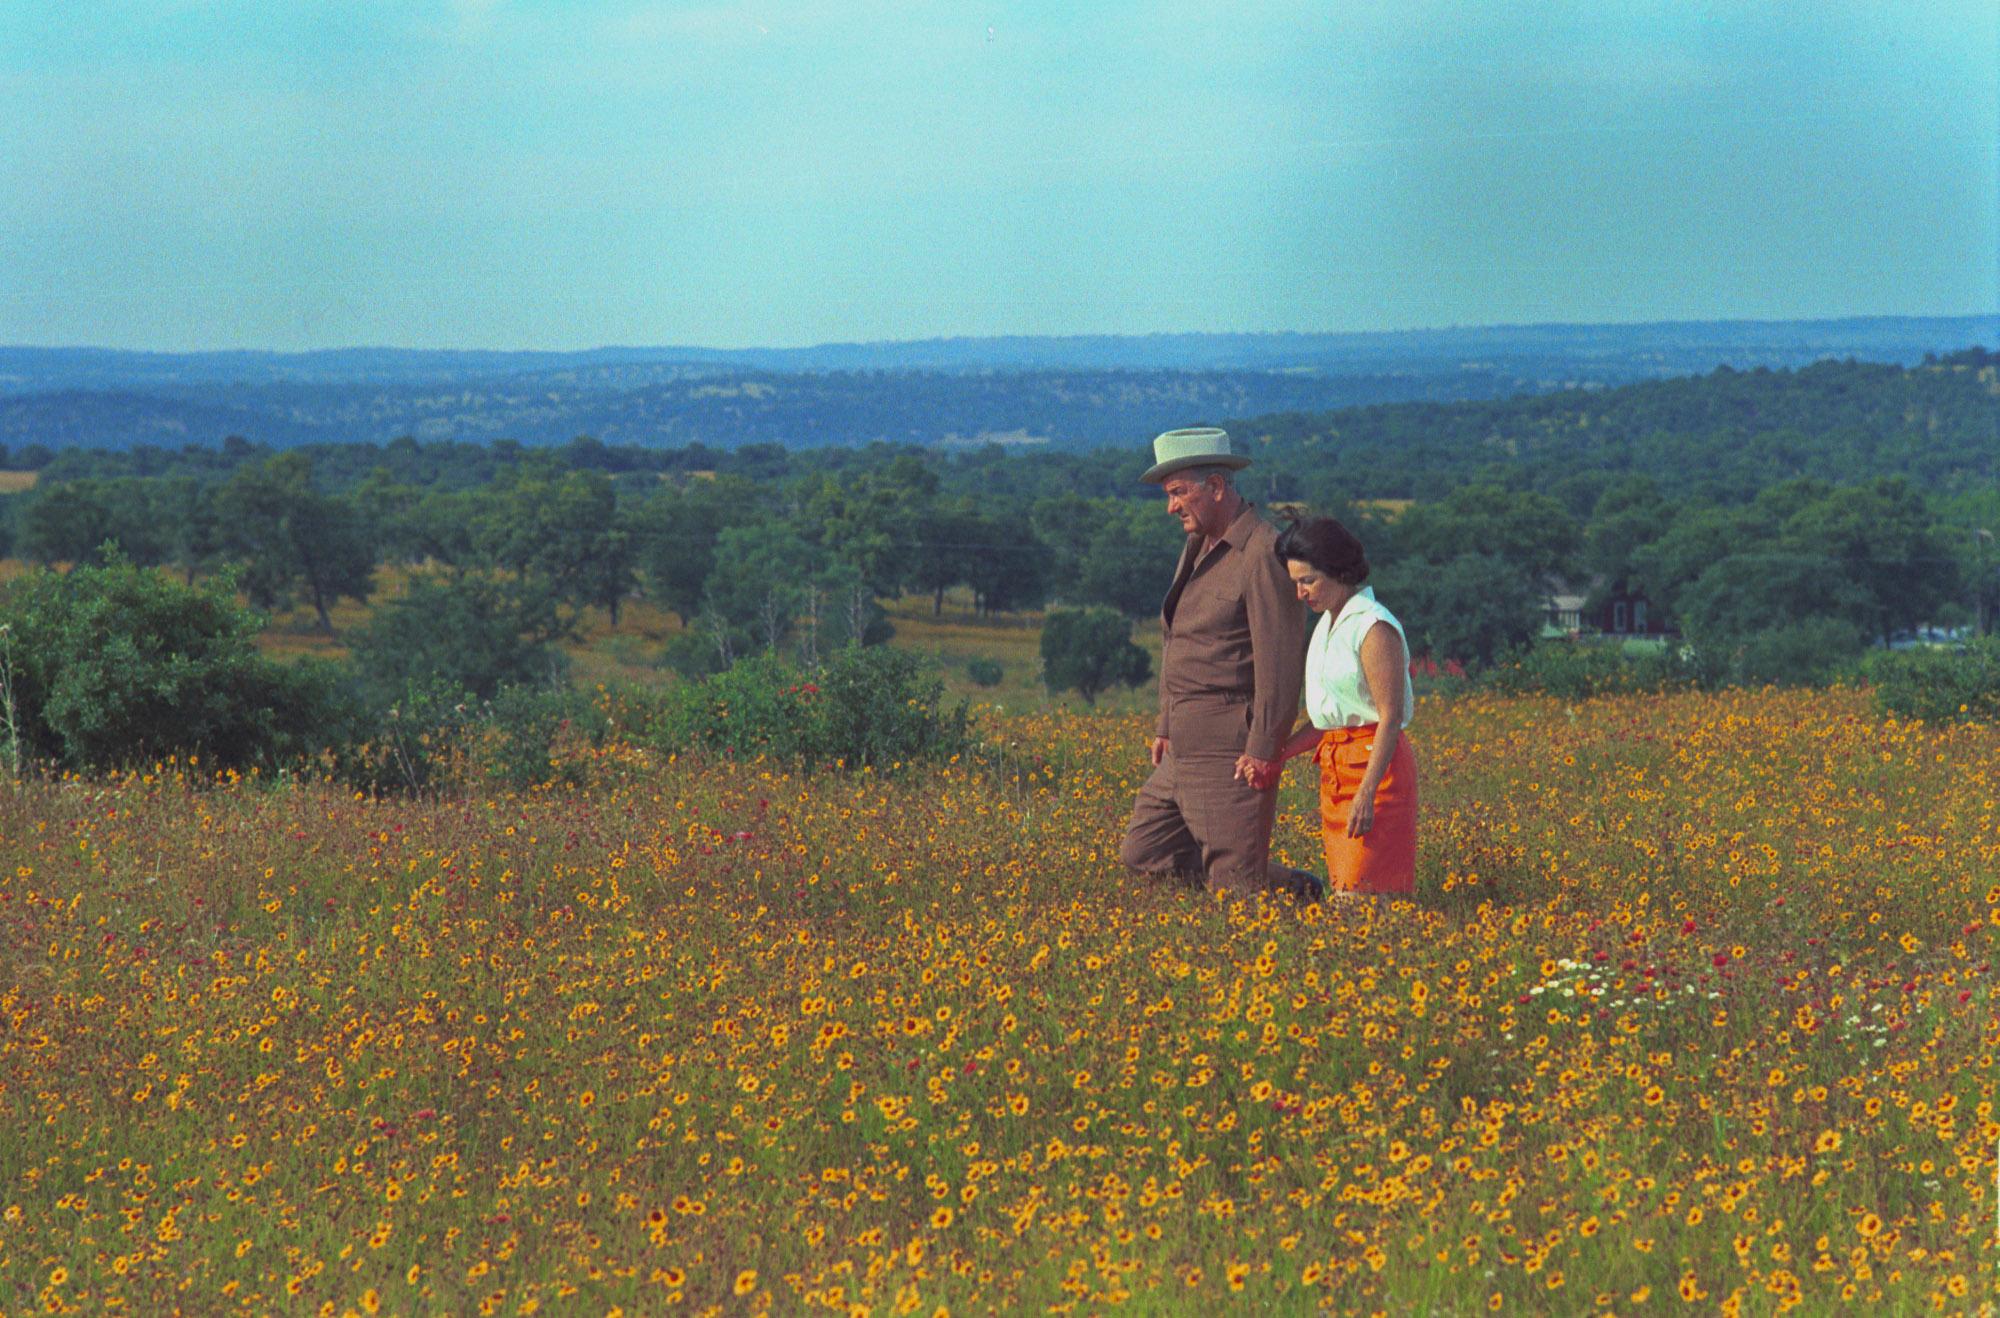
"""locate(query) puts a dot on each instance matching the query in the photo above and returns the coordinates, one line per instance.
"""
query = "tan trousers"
(1195, 818)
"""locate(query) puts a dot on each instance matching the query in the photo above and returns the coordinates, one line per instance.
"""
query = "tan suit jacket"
(1234, 656)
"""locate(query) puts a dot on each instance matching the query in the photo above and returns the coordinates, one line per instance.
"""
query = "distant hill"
(1069, 392)
(1723, 435)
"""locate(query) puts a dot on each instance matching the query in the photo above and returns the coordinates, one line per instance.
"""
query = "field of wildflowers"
(1695, 1008)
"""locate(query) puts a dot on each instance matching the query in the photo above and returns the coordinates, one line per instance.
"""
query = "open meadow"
(633, 653)
(1695, 1006)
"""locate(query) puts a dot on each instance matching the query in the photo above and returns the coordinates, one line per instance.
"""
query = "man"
(1230, 674)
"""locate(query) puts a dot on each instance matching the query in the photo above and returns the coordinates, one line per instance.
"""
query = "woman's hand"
(1361, 817)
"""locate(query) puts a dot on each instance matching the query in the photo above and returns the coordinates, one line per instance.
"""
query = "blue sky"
(181, 174)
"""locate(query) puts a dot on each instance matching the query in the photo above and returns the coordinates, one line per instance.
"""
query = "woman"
(1358, 700)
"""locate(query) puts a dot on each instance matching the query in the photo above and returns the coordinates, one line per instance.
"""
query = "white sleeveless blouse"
(1336, 688)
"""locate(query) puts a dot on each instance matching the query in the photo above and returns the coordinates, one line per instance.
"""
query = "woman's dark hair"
(1326, 545)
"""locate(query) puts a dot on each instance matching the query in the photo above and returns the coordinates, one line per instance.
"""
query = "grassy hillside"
(1694, 1005)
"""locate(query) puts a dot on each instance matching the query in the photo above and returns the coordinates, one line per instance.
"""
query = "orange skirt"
(1384, 859)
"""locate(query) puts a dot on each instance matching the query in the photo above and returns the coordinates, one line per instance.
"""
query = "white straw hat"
(1202, 446)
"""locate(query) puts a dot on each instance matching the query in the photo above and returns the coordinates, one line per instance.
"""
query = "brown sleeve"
(1277, 649)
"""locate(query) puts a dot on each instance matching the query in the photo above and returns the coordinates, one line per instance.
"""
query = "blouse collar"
(1362, 600)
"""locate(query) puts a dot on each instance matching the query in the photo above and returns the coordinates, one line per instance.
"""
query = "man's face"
(1196, 502)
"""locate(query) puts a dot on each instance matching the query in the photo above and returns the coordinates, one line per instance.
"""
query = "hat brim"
(1159, 471)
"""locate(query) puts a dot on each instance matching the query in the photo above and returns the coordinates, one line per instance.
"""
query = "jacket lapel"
(1182, 571)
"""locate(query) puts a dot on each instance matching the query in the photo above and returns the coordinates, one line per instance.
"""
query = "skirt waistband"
(1349, 734)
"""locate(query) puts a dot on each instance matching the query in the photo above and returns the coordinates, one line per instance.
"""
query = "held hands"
(1263, 775)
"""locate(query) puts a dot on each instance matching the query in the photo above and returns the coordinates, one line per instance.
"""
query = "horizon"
(469, 174)
(249, 350)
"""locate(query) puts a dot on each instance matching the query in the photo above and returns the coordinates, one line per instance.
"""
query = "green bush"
(1941, 685)
(877, 706)
(865, 706)
(416, 742)
(756, 706)
(1575, 671)
(434, 737)
(523, 726)
(985, 672)
(1809, 652)
(114, 665)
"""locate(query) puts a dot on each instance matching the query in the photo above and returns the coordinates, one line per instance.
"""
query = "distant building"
(1629, 613)
(1598, 610)
(1563, 613)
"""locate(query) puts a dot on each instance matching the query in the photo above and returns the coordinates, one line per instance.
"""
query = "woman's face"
(1321, 593)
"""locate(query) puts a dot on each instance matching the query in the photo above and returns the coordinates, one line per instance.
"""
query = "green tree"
(1969, 520)
(1882, 538)
(1089, 651)
(947, 549)
(1628, 516)
(1665, 569)
(674, 534)
(839, 612)
(1128, 562)
(463, 636)
(873, 519)
(65, 523)
(1473, 607)
(1064, 524)
(757, 590)
(1808, 652)
(196, 539)
(566, 531)
(1010, 568)
(1531, 533)
(1743, 594)
(394, 512)
(292, 538)
(444, 528)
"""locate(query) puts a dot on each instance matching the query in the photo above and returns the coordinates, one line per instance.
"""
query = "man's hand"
(1260, 774)
(1159, 750)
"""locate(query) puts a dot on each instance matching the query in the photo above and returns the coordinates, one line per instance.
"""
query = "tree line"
(762, 548)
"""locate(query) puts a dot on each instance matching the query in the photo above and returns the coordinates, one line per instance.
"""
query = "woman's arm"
(1306, 738)
(1384, 661)
(1247, 766)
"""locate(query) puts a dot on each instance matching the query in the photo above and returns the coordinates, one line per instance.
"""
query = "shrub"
(415, 742)
(433, 737)
(1941, 685)
(985, 672)
(877, 706)
(1809, 652)
(756, 706)
(869, 706)
(116, 665)
(1090, 650)
(521, 727)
